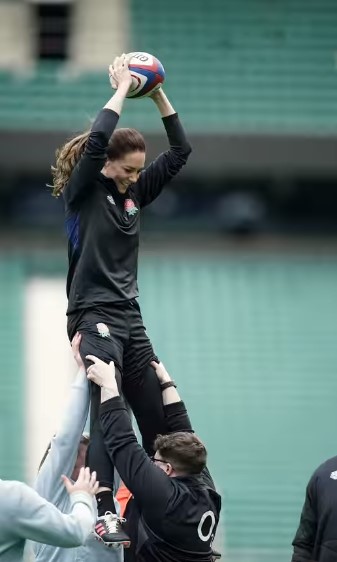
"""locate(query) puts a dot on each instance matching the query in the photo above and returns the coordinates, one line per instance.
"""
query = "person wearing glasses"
(175, 508)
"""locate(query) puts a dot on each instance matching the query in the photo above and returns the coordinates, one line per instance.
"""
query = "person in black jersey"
(104, 184)
(175, 508)
(316, 536)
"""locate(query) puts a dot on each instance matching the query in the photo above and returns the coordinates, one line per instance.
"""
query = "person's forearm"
(170, 395)
(305, 537)
(41, 521)
(76, 410)
(116, 102)
(149, 485)
(162, 102)
(176, 417)
(63, 450)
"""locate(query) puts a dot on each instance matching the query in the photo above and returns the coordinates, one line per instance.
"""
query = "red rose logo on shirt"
(130, 207)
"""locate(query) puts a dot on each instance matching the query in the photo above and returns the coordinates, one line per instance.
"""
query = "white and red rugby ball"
(147, 74)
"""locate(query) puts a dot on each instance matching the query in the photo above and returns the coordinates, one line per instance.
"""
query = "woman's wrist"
(164, 106)
(117, 101)
(157, 95)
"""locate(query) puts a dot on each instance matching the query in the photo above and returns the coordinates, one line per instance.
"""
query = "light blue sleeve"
(28, 516)
(64, 445)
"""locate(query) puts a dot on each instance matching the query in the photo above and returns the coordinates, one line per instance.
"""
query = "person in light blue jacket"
(25, 515)
(66, 455)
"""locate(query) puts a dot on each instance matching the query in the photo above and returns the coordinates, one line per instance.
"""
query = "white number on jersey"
(207, 515)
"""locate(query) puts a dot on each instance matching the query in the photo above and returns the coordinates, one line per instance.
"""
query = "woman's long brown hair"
(122, 142)
(66, 159)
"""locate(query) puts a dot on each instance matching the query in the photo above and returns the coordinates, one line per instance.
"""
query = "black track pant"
(117, 333)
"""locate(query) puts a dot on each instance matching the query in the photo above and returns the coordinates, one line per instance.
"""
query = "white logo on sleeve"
(111, 199)
(333, 475)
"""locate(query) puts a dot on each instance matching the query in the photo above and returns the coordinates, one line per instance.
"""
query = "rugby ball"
(147, 74)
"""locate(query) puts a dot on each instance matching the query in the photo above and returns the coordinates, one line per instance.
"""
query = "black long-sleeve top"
(172, 519)
(316, 536)
(103, 224)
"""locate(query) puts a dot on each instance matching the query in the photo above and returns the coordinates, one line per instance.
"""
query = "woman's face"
(126, 170)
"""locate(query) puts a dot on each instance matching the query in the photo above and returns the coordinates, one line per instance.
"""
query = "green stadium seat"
(241, 66)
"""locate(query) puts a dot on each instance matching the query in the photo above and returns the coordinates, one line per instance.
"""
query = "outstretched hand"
(85, 482)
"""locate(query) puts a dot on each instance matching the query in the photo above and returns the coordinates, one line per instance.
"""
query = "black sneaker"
(215, 555)
(109, 530)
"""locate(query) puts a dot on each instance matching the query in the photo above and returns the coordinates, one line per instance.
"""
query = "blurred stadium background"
(238, 266)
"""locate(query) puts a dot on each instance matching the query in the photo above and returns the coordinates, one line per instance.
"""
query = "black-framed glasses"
(154, 460)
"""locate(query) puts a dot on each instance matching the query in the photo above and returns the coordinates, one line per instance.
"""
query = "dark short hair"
(183, 450)
(124, 141)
